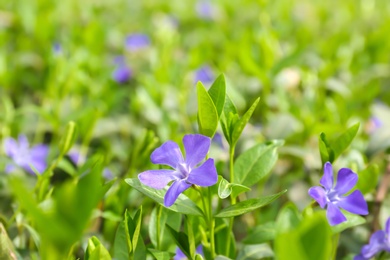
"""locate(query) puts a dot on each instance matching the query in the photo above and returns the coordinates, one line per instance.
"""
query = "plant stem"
(232, 199)
(159, 212)
(211, 225)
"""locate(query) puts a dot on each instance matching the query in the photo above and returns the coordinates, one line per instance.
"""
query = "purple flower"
(205, 9)
(204, 75)
(137, 41)
(331, 196)
(122, 72)
(379, 241)
(186, 171)
(24, 156)
(181, 256)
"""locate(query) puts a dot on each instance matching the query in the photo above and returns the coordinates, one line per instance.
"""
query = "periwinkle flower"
(122, 72)
(181, 256)
(24, 156)
(137, 41)
(379, 241)
(204, 74)
(186, 172)
(332, 196)
(205, 9)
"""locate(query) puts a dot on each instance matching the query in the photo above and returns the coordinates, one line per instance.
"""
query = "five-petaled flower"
(24, 156)
(331, 196)
(186, 171)
(379, 241)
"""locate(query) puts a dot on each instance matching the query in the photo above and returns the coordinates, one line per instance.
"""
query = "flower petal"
(9, 168)
(179, 255)
(156, 179)
(346, 180)
(377, 244)
(196, 147)
(10, 147)
(205, 175)
(168, 154)
(387, 230)
(39, 165)
(174, 191)
(327, 179)
(334, 215)
(318, 193)
(39, 152)
(354, 203)
(23, 142)
(359, 257)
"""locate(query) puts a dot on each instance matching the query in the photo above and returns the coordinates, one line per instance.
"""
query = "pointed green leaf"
(288, 218)
(160, 255)
(69, 138)
(96, 251)
(137, 221)
(224, 189)
(247, 206)
(240, 125)
(217, 93)
(183, 204)
(255, 163)
(181, 240)
(207, 113)
(121, 244)
(342, 142)
(260, 234)
(7, 249)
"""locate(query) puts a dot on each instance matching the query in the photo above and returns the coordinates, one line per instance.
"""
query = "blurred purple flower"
(122, 72)
(331, 195)
(204, 9)
(107, 174)
(57, 48)
(217, 139)
(181, 256)
(379, 241)
(204, 75)
(137, 41)
(76, 157)
(24, 156)
(186, 172)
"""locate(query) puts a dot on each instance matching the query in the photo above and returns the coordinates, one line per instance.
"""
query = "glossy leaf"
(182, 205)
(255, 163)
(96, 251)
(207, 113)
(217, 93)
(181, 240)
(247, 206)
(342, 142)
(240, 125)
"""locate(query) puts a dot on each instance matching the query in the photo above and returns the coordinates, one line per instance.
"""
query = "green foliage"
(207, 112)
(247, 206)
(183, 204)
(95, 250)
(254, 164)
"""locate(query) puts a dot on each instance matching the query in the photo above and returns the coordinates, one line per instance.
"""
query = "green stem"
(232, 199)
(159, 212)
(211, 225)
(335, 243)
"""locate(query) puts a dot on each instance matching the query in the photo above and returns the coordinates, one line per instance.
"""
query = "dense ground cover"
(242, 107)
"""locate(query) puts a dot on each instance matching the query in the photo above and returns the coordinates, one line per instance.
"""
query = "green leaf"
(225, 189)
(7, 250)
(221, 235)
(240, 125)
(181, 240)
(260, 234)
(68, 139)
(217, 93)
(368, 179)
(137, 221)
(255, 163)
(352, 221)
(96, 251)
(255, 252)
(182, 205)
(121, 244)
(342, 142)
(160, 255)
(311, 239)
(247, 206)
(207, 113)
(288, 218)
(326, 152)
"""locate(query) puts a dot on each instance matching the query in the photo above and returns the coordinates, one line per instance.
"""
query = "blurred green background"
(318, 66)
